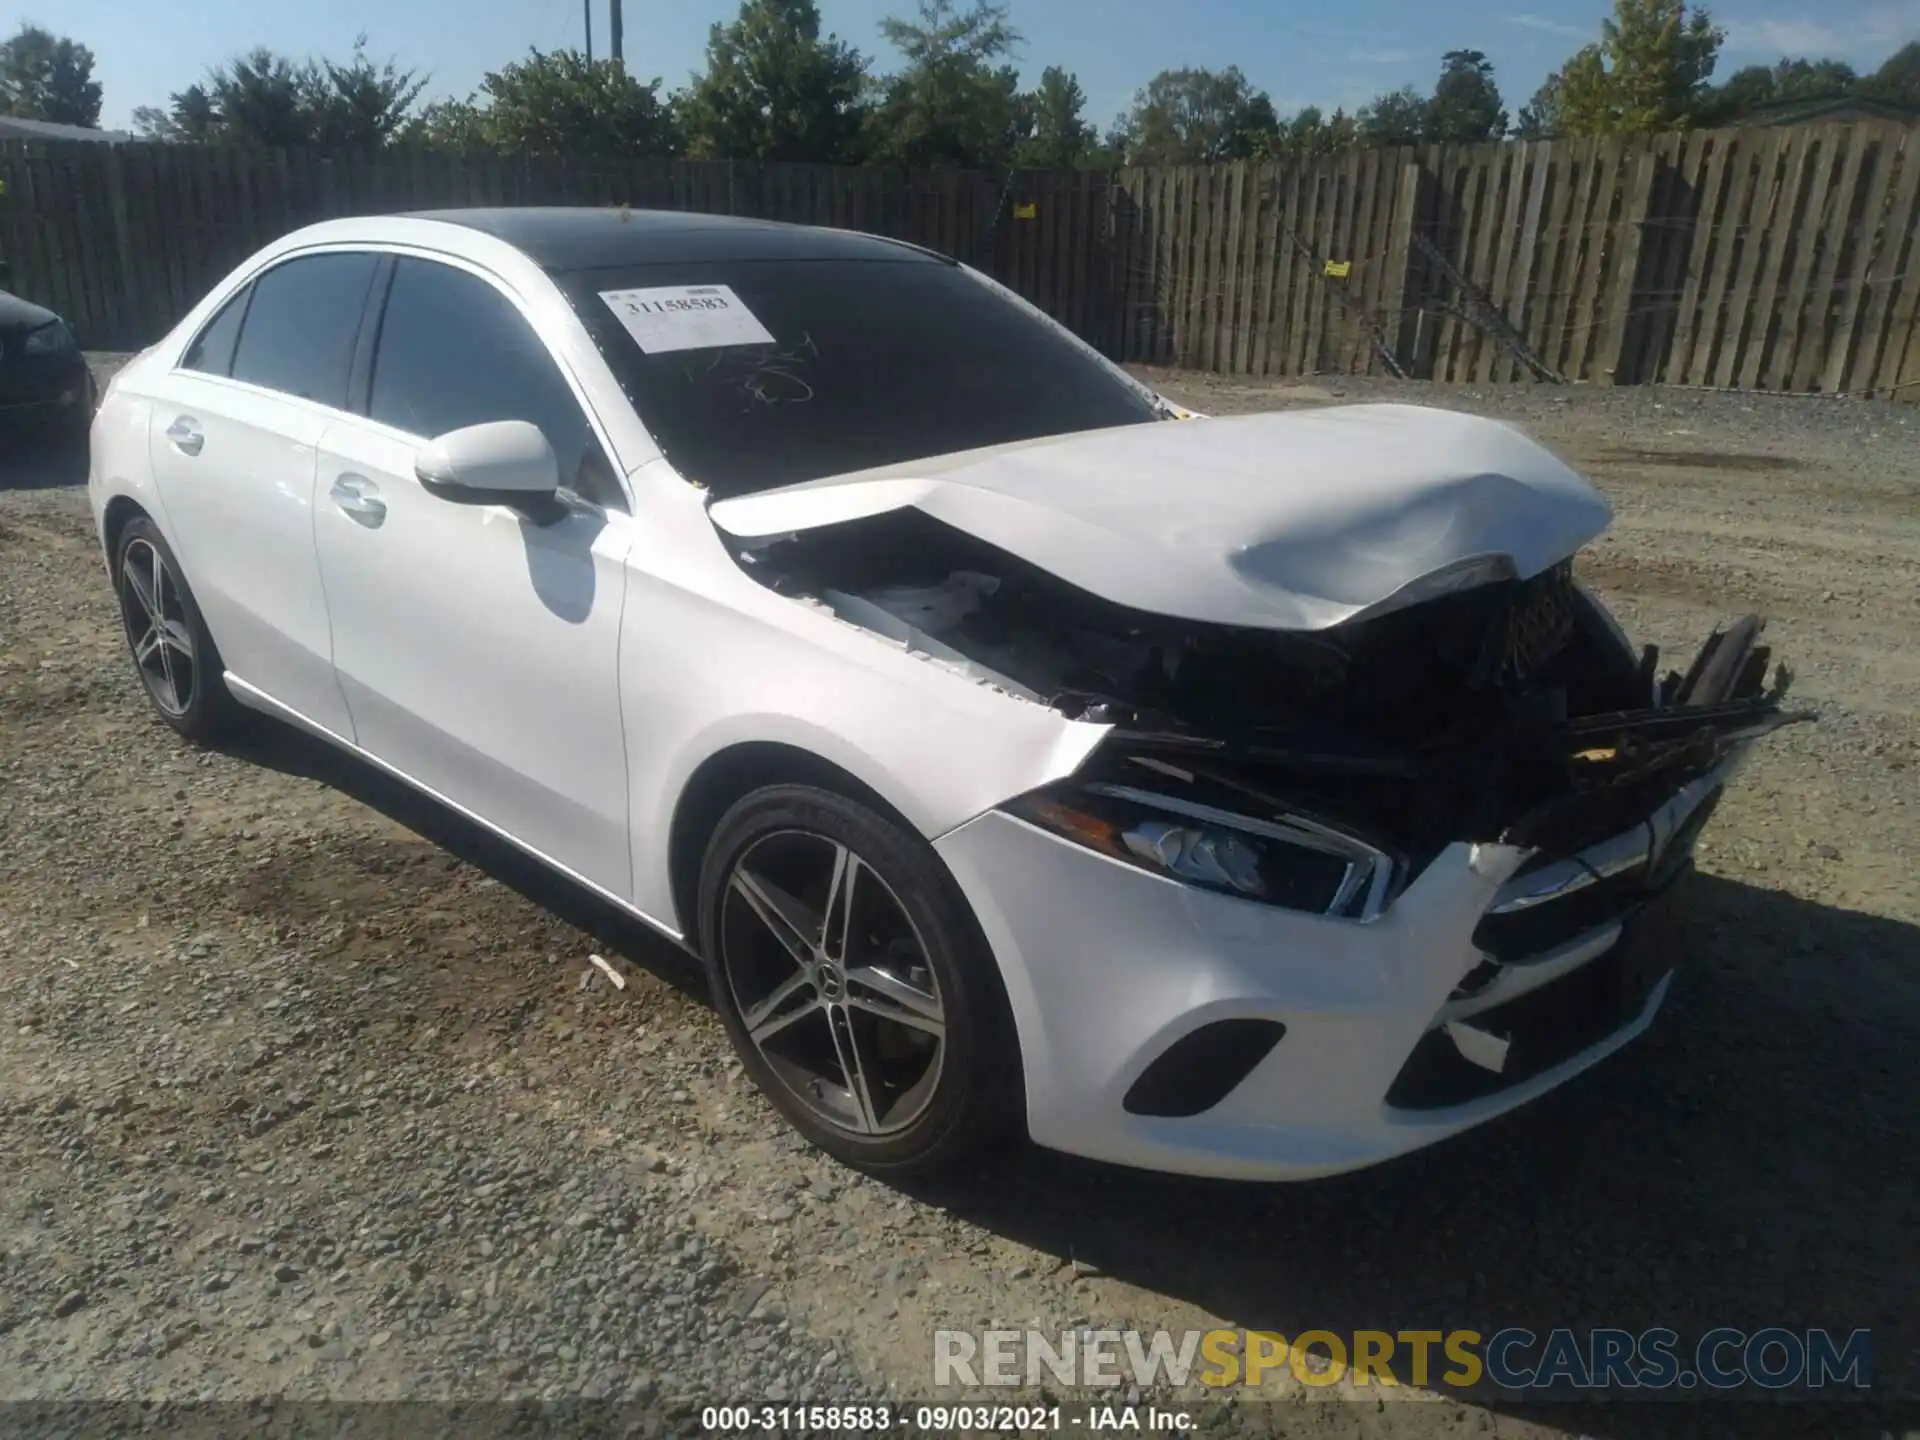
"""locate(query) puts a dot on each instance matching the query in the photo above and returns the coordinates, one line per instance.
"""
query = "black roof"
(564, 238)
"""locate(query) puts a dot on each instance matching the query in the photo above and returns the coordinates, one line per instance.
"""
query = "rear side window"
(299, 331)
(212, 350)
(455, 352)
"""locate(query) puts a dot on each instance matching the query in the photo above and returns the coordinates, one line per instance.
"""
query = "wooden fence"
(1784, 259)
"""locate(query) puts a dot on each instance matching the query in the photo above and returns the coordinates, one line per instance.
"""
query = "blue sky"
(1324, 54)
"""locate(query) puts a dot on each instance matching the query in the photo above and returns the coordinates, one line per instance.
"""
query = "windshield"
(829, 366)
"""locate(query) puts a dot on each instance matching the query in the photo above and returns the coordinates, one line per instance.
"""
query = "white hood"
(1291, 521)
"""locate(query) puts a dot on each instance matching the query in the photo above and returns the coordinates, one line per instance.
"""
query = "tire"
(208, 710)
(927, 1099)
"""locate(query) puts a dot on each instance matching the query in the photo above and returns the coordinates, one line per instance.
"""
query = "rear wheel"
(172, 651)
(853, 982)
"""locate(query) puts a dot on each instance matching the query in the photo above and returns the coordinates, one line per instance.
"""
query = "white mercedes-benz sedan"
(1252, 797)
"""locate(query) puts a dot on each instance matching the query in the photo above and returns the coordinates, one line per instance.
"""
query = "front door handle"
(360, 498)
(185, 435)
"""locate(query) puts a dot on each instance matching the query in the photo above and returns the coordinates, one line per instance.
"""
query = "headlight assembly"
(1286, 860)
(54, 339)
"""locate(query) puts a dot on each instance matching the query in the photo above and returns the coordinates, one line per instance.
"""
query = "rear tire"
(173, 654)
(854, 984)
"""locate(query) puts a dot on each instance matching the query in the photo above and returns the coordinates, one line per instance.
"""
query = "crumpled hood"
(1289, 521)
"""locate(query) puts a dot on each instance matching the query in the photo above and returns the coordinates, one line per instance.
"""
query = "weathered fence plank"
(1778, 258)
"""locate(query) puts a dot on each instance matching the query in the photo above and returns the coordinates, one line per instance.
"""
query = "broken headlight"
(1285, 860)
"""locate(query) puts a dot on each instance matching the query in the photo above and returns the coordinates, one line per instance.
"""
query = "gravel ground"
(308, 1090)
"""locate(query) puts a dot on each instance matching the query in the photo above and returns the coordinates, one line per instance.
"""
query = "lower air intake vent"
(1199, 1070)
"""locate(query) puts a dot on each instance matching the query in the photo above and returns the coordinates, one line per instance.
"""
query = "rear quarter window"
(212, 349)
(300, 328)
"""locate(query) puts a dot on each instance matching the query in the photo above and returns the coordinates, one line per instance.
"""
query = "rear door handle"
(185, 435)
(360, 498)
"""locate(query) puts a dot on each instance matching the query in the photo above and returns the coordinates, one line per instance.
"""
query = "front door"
(478, 650)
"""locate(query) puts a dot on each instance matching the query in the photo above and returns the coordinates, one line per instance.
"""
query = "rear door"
(233, 453)
(478, 650)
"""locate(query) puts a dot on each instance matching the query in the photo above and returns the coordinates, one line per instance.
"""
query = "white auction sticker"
(686, 317)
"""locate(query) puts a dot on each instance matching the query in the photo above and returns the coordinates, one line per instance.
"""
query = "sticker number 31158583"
(686, 317)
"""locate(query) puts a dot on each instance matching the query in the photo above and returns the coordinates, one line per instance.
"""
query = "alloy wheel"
(153, 608)
(832, 983)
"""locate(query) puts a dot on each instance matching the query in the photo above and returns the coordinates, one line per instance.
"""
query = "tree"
(557, 103)
(1465, 108)
(261, 98)
(1311, 133)
(449, 125)
(1648, 73)
(1540, 118)
(1198, 117)
(44, 76)
(1897, 81)
(1400, 117)
(265, 99)
(360, 104)
(774, 90)
(1059, 137)
(952, 102)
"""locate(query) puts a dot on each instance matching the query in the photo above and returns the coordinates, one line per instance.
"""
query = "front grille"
(1539, 624)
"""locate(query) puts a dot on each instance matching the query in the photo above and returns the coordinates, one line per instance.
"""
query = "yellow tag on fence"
(1025, 212)
(1339, 269)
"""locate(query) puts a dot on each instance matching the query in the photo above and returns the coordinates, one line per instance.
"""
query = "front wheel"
(853, 982)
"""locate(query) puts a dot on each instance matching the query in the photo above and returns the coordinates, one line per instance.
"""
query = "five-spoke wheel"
(156, 621)
(854, 985)
(171, 648)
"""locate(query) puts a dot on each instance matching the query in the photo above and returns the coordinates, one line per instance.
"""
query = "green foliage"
(775, 90)
(954, 102)
(1465, 108)
(1311, 133)
(1540, 118)
(1648, 73)
(265, 99)
(1198, 117)
(557, 103)
(1898, 81)
(1058, 136)
(361, 104)
(44, 76)
(1400, 117)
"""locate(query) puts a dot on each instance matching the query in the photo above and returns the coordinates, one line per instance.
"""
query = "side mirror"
(504, 462)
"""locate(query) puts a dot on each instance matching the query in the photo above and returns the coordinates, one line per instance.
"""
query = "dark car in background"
(46, 390)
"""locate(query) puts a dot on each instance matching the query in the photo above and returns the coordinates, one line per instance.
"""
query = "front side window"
(212, 350)
(299, 332)
(454, 351)
(870, 362)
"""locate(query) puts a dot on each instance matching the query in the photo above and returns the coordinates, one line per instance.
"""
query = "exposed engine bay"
(1511, 711)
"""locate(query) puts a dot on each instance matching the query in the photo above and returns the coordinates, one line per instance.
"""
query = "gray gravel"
(308, 1090)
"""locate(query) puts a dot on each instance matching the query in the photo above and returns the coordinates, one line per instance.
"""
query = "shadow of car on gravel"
(292, 752)
(1746, 1163)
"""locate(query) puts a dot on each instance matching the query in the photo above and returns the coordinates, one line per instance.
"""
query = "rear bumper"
(1379, 1023)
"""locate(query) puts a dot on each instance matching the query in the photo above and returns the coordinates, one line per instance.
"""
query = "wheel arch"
(121, 509)
(728, 776)
(736, 771)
